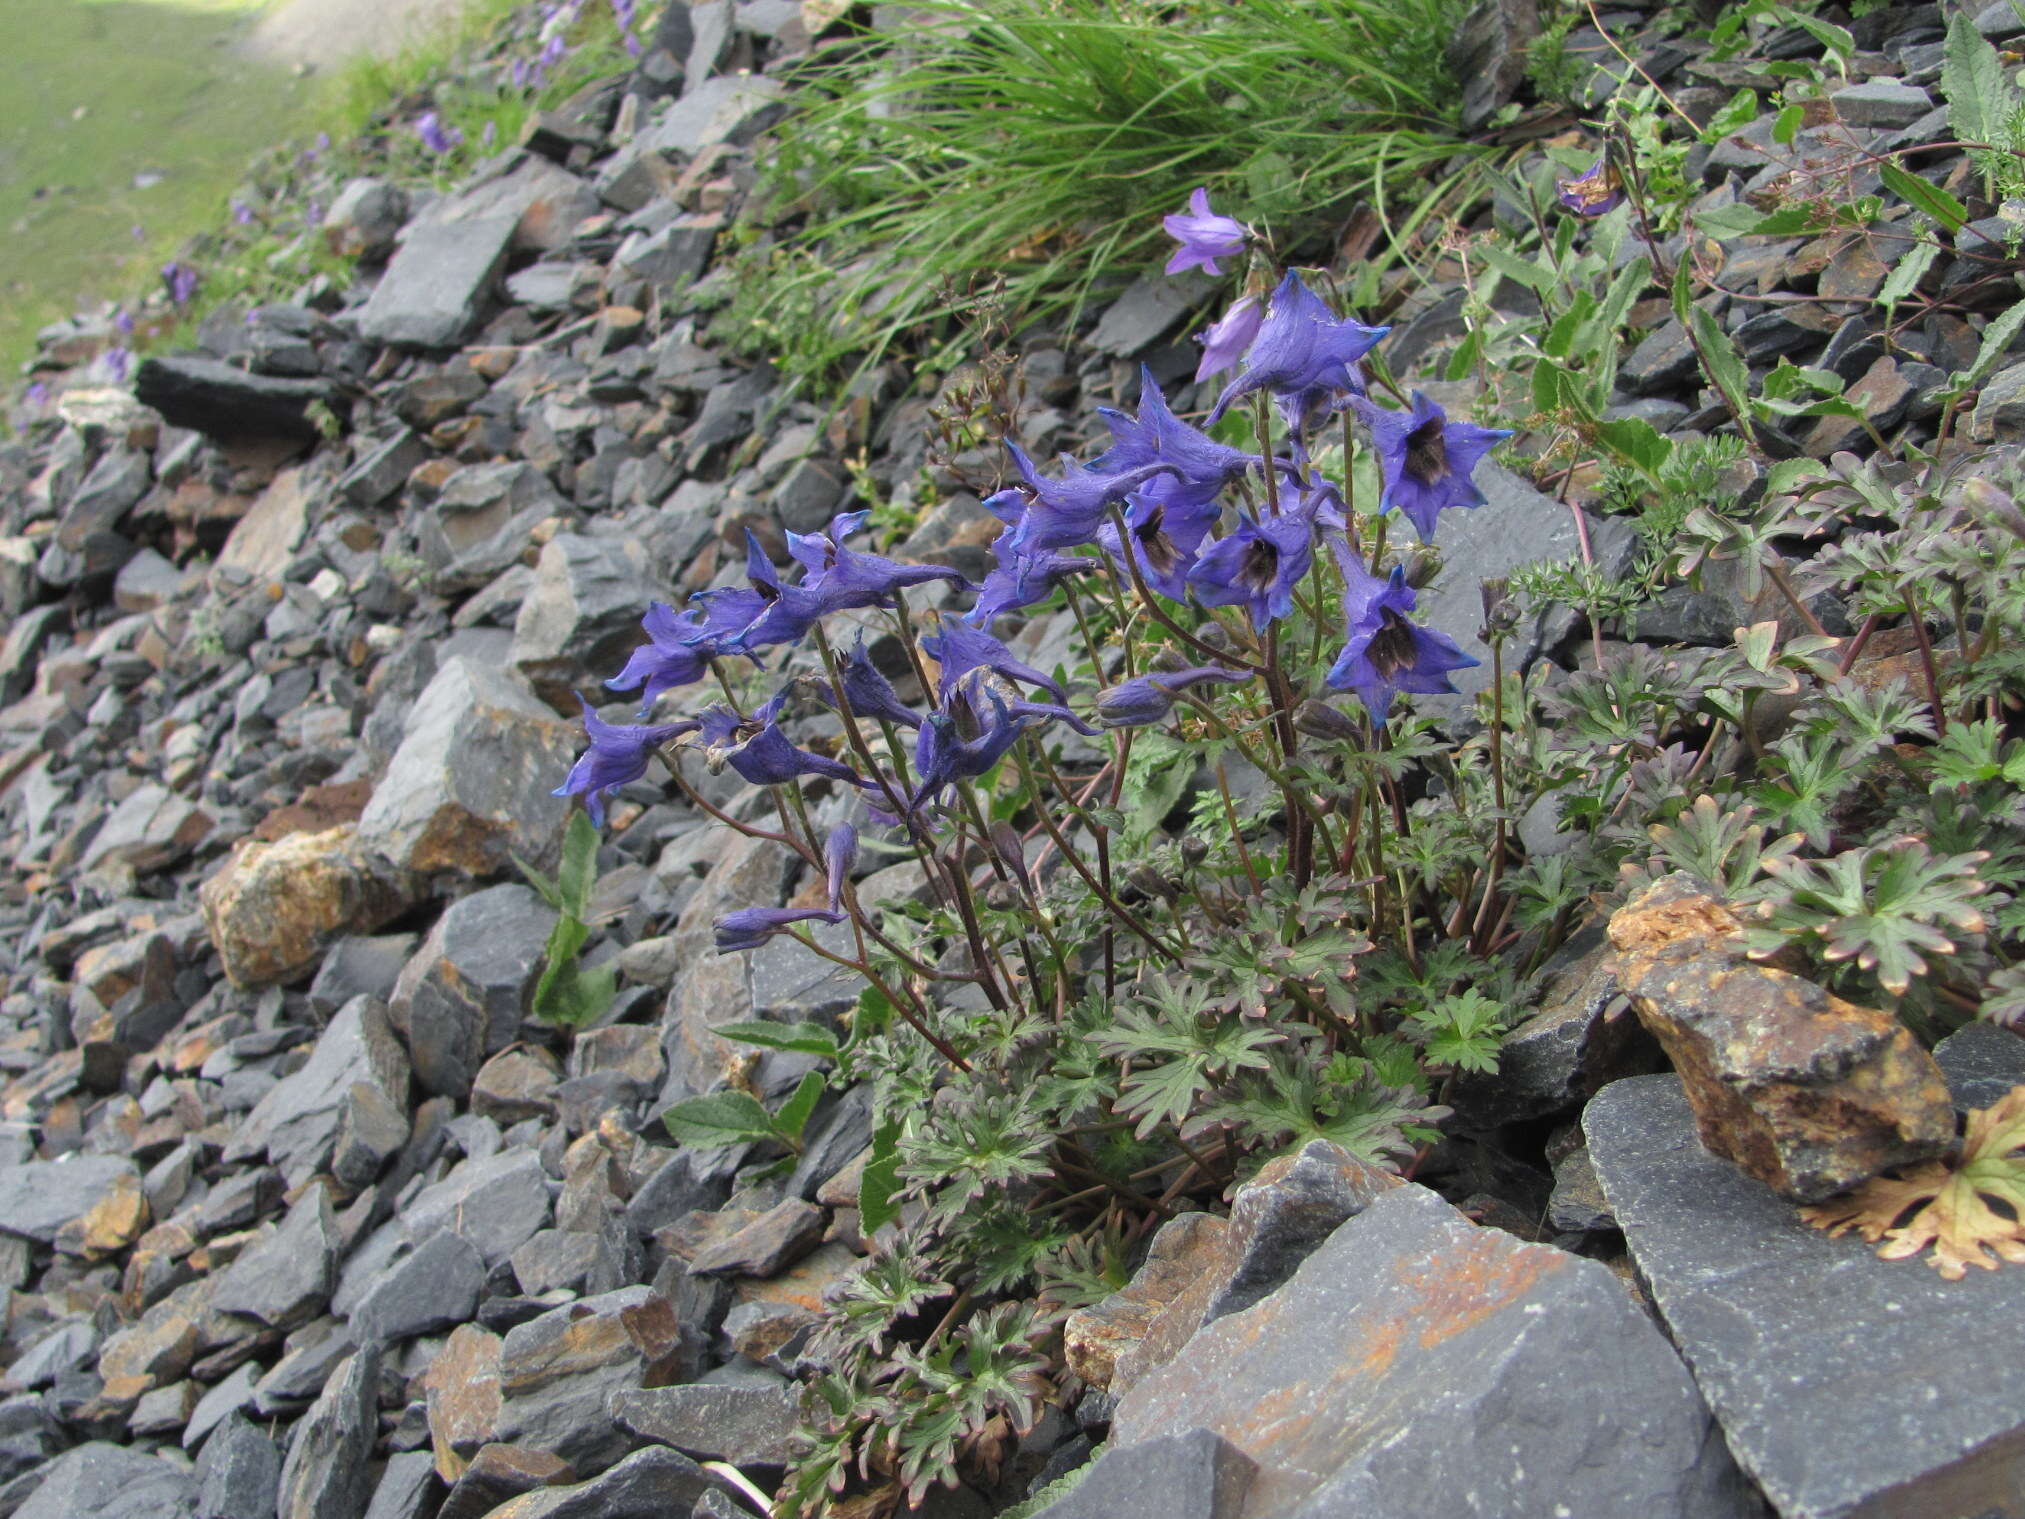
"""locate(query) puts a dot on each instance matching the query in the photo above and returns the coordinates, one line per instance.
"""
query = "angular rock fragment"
(1196, 1475)
(228, 403)
(328, 1473)
(39, 1197)
(298, 1122)
(1185, 1248)
(116, 1481)
(461, 999)
(1847, 1385)
(774, 1240)
(497, 1475)
(272, 909)
(408, 1489)
(436, 1287)
(151, 830)
(437, 282)
(649, 1484)
(557, 1371)
(1418, 1364)
(747, 1426)
(582, 616)
(237, 1474)
(481, 523)
(286, 1279)
(463, 1395)
(1806, 1092)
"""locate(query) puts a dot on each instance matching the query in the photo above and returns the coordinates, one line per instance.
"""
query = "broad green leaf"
(541, 882)
(793, 1116)
(1836, 39)
(579, 872)
(1787, 124)
(1907, 274)
(802, 1038)
(1725, 365)
(1924, 195)
(717, 1120)
(1637, 442)
(1789, 474)
(879, 1184)
(1996, 339)
(1742, 220)
(1972, 80)
(1534, 277)
(1467, 353)
(1739, 113)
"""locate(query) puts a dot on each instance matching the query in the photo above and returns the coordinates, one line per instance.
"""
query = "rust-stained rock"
(112, 1223)
(461, 1392)
(498, 1474)
(517, 1083)
(1417, 1364)
(273, 909)
(1185, 1248)
(1806, 1092)
(555, 1372)
(1276, 1220)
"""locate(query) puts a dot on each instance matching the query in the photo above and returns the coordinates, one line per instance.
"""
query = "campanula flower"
(1426, 461)
(840, 579)
(1064, 513)
(870, 694)
(677, 653)
(1258, 566)
(1148, 698)
(618, 753)
(1594, 192)
(757, 749)
(1385, 653)
(1204, 236)
(1303, 353)
(1225, 341)
(959, 649)
(436, 137)
(1165, 526)
(1158, 436)
(1023, 580)
(750, 927)
(181, 280)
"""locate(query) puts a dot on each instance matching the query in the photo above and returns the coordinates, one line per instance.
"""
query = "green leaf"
(1789, 474)
(1739, 113)
(793, 1116)
(717, 1120)
(1637, 442)
(1512, 267)
(879, 1185)
(1907, 274)
(802, 1038)
(1926, 196)
(1466, 355)
(1786, 125)
(541, 882)
(579, 873)
(1996, 339)
(1743, 220)
(1972, 79)
(1725, 365)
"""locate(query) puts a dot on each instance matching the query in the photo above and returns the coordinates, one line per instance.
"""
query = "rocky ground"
(301, 1214)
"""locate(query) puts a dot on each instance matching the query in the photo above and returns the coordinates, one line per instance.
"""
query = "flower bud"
(1501, 609)
(1317, 719)
(1193, 851)
(1150, 881)
(1422, 565)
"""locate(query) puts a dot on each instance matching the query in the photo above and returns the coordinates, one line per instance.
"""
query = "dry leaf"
(1964, 1208)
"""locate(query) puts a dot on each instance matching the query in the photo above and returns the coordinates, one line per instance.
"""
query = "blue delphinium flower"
(435, 136)
(1023, 580)
(840, 854)
(1303, 353)
(960, 649)
(1258, 566)
(1594, 192)
(1204, 236)
(677, 653)
(1148, 698)
(1426, 461)
(619, 753)
(870, 694)
(762, 611)
(181, 281)
(1064, 513)
(757, 749)
(1387, 654)
(840, 578)
(750, 927)
(1165, 523)
(1226, 340)
(1201, 465)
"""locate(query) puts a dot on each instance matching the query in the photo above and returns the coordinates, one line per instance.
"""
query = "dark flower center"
(1155, 547)
(1261, 564)
(1391, 649)
(1427, 451)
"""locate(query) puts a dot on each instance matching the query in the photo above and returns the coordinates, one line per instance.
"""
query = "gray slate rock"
(747, 1426)
(1982, 1062)
(1145, 312)
(1195, 1475)
(1881, 103)
(41, 1196)
(769, 1244)
(497, 1203)
(327, 1474)
(480, 524)
(383, 470)
(238, 1473)
(649, 1484)
(223, 402)
(286, 1279)
(557, 1372)
(460, 1000)
(1419, 1364)
(101, 1481)
(297, 1123)
(581, 617)
(437, 1287)
(437, 282)
(1488, 54)
(409, 1487)
(1846, 1384)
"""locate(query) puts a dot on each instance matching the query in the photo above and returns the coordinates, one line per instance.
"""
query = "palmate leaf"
(1189, 1054)
(1886, 907)
(1948, 1205)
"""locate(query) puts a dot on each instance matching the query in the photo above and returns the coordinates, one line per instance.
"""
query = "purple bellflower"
(1258, 566)
(1595, 192)
(1226, 340)
(750, 927)
(870, 694)
(1385, 653)
(959, 649)
(757, 749)
(618, 753)
(1204, 236)
(1148, 698)
(1303, 353)
(1165, 524)
(436, 137)
(677, 653)
(1426, 461)
(840, 578)
(1023, 580)
(1158, 436)
(1064, 513)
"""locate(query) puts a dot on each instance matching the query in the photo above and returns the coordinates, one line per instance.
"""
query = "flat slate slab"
(1846, 1385)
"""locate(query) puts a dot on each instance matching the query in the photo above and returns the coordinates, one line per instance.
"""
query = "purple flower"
(1065, 513)
(1158, 436)
(123, 322)
(1258, 566)
(750, 927)
(37, 394)
(1226, 341)
(1426, 461)
(436, 137)
(1303, 352)
(618, 753)
(1148, 698)
(1595, 192)
(117, 361)
(841, 579)
(1204, 236)
(242, 213)
(553, 51)
(181, 280)
(490, 136)
(759, 751)
(840, 853)
(870, 694)
(138, 233)
(312, 214)
(960, 649)
(1385, 653)
(632, 44)
(969, 731)
(677, 653)
(1023, 580)
(1165, 526)
(520, 73)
